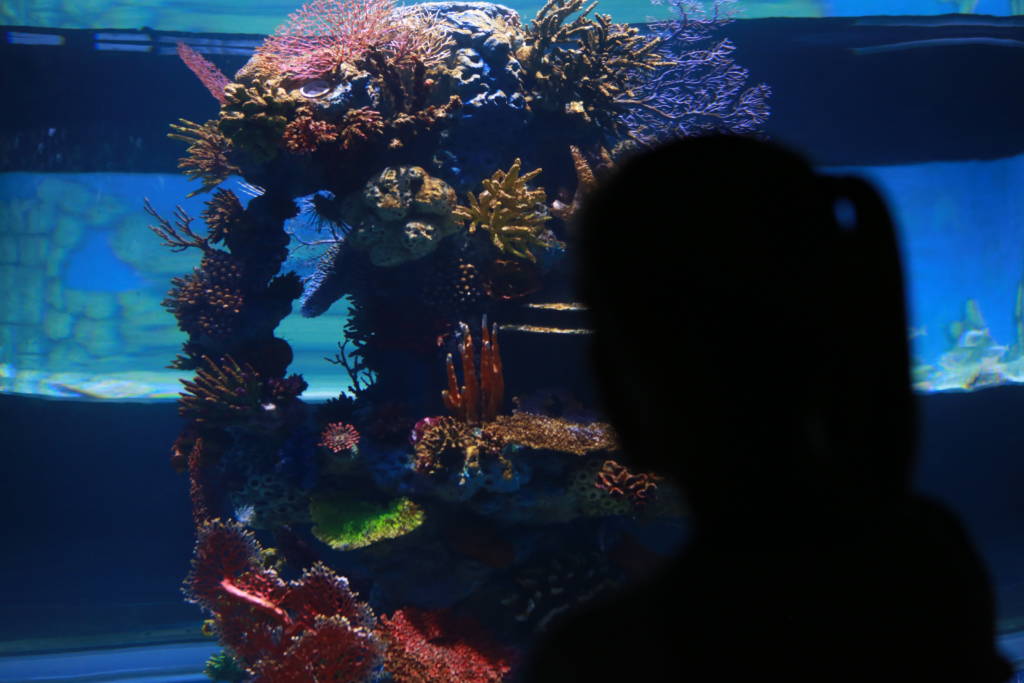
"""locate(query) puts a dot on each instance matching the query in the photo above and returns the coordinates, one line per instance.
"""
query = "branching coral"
(310, 629)
(586, 180)
(180, 236)
(438, 647)
(222, 393)
(510, 211)
(223, 210)
(304, 134)
(346, 524)
(209, 153)
(589, 67)
(209, 300)
(481, 395)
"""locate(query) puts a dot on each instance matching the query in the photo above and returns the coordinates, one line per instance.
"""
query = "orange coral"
(481, 396)
(551, 433)
(617, 480)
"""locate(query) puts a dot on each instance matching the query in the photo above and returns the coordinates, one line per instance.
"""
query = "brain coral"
(401, 215)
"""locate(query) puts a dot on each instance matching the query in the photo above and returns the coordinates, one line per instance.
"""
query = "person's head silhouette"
(750, 333)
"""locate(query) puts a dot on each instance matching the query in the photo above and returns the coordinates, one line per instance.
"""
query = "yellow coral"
(208, 153)
(254, 116)
(510, 211)
(551, 433)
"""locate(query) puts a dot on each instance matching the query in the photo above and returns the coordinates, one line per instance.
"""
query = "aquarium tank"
(289, 336)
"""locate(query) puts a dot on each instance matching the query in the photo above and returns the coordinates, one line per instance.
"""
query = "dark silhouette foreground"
(750, 337)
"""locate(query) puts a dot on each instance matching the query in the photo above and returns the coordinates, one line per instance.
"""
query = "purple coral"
(704, 90)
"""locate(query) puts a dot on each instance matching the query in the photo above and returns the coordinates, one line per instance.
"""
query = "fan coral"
(513, 214)
(589, 67)
(551, 433)
(222, 393)
(208, 74)
(346, 524)
(482, 393)
(324, 34)
(701, 89)
(209, 153)
(311, 629)
(401, 215)
(438, 647)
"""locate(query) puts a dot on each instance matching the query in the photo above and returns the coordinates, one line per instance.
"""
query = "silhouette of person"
(750, 342)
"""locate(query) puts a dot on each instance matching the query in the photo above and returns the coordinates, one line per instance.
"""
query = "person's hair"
(727, 297)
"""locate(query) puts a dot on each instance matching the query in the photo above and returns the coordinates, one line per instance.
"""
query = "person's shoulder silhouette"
(750, 343)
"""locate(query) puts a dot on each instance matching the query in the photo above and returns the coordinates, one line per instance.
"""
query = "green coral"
(254, 117)
(510, 211)
(223, 667)
(347, 524)
(587, 67)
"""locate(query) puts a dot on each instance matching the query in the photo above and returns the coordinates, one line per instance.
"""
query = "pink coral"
(322, 34)
(205, 71)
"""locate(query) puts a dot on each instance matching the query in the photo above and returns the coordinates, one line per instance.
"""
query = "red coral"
(205, 71)
(304, 134)
(312, 629)
(438, 647)
(339, 437)
(322, 34)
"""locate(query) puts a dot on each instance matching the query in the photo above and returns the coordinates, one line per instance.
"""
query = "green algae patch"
(346, 524)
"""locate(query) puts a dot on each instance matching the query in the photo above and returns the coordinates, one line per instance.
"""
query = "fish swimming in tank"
(425, 143)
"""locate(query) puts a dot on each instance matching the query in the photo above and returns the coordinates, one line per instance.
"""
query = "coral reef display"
(449, 461)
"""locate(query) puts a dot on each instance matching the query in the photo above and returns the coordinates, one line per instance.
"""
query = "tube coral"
(482, 393)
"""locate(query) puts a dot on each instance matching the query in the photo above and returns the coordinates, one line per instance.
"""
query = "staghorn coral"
(304, 134)
(209, 300)
(208, 154)
(310, 629)
(440, 647)
(587, 68)
(481, 395)
(255, 116)
(541, 432)
(587, 175)
(346, 524)
(513, 214)
(401, 215)
(223, 210)
(222, 393)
